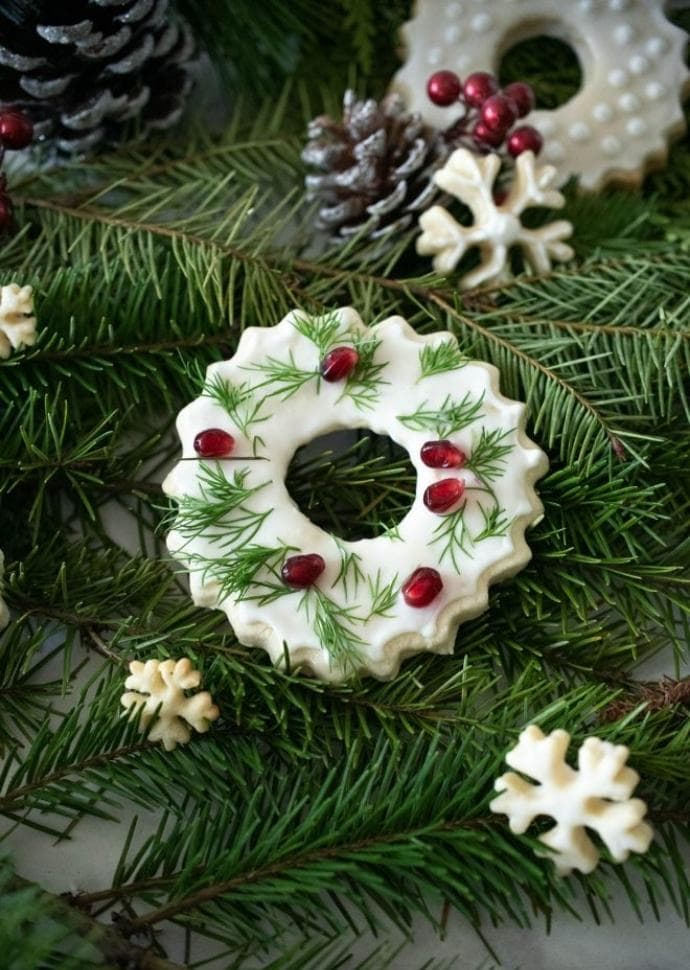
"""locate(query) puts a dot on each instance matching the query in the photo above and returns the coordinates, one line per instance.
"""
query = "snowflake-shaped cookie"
(17, 322)
(497, 227)
(159, 687)
(596, 796)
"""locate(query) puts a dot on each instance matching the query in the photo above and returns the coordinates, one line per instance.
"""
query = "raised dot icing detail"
(610, 145)
(554, 151)
(435, 55)
(452, 33)
(636, 127)
(602, 112)
(629, 102)
(481, 22)
(638, 64)
(656, 46)
(623, 34)
(579, 131)
(654, 90)
(618, 77)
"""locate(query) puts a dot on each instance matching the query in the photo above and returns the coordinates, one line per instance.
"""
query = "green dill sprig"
(284, 376)
(452, 535)
(332, 625)
(211, 512)
(489, 454)
(237, 400)
(322, 331)
(349, 572)
(447, 419)
(497, 523)
(439, 358)
(383, 595)
(363, 387)
(236, 574)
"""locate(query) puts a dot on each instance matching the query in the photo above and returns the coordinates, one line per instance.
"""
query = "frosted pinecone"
(375, 167)
(86, 71)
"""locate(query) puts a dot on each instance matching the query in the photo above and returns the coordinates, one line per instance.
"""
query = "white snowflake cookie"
(334, 607)
(497, 227)
(617, 125)
(157, 689)
(596, 796)
(17, 322)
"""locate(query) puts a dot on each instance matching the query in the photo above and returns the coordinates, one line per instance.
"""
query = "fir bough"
(308, 804)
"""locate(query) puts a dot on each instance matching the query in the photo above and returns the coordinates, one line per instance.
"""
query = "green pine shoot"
(383, 595)
(237, 573)
(439, 358)
(283, 378)
(364, 385)
(237, 401)
(333, 627)
(323, 331)
(489, 454)
(211, 513)
(496, 523)
(452, 416)
(350, 571)
(452, 536)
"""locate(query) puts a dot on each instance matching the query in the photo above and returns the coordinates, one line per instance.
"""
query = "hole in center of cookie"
(354, 484)
(548, 64)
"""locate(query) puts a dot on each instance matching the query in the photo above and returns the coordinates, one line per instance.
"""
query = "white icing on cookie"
(414, 389)
(628, 53)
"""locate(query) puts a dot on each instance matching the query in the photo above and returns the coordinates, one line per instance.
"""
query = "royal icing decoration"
(497, 227)
(634, 75)
(334, 607)
(156, 689)
(17, 322)
(595, 796)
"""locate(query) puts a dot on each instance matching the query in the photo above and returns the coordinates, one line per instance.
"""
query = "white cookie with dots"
(617, 126)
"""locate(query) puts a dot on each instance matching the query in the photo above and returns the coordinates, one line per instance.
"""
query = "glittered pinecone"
(88, 70)
(375, 167)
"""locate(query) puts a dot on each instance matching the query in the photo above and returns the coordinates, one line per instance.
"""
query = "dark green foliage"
(308, 804)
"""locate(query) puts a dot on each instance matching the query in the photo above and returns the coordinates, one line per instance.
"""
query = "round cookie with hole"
(617, 126)
(316, 602)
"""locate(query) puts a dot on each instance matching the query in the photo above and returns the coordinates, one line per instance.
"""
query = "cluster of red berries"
(490, 112)
(16, 132)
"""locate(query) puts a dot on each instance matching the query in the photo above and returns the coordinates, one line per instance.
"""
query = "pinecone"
(376, 167)
(86, 70)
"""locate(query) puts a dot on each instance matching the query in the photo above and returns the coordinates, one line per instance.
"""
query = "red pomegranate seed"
(302, 571)
(422, 587)
(339, 363)
(442, 454)
(214, 443)
(443, 495)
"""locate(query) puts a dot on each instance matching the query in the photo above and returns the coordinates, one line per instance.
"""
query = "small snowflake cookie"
(157, 689)
(497, 227)
(596, 796)
(17, 320)
(337, 608)
(634, 75)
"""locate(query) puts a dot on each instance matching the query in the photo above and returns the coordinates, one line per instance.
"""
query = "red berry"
(302, 571)
(339, 363)
(16, 130)
(442, 454)
(498, 114)
(522, 97)
(443, 88)
(214, 443)
(524, 139)
(422, 587)
(485, 137)
(443, 495)
(478, 87)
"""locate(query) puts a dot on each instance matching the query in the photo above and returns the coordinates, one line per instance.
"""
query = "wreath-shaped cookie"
(334, 607)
